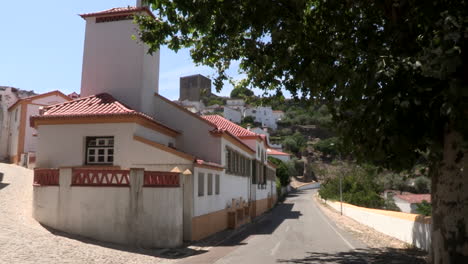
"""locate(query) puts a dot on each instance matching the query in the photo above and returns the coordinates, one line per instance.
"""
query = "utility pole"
(341, 194)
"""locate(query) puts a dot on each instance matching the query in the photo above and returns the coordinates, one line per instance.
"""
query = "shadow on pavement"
(160, 253)
(371, 255)
(3, 185)
(264, 224)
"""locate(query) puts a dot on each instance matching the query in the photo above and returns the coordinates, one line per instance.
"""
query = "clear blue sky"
(41, 47)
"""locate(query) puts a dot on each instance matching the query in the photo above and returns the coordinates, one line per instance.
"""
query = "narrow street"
(294, 232)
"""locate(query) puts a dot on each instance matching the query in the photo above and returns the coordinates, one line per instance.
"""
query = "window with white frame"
(99, 150)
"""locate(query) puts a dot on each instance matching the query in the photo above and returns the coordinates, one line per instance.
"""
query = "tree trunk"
(450, 203)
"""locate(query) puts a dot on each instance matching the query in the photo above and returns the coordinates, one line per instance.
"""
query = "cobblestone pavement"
(23, 240)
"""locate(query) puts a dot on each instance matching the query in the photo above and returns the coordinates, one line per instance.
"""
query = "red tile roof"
(119, 11)
(414, 198)
(100, 105)
(223, 124)
(276, 152)
(207, 163)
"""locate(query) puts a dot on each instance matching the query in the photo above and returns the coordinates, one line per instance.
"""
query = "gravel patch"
(24, 240)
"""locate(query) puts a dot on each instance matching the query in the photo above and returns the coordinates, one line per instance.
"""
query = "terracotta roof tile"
(223, 124)
(276, 152)
(213, 164)
(100, 105)
(414, 198)
(119, 10)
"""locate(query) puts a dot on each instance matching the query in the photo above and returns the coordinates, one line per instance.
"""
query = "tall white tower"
(115, 63)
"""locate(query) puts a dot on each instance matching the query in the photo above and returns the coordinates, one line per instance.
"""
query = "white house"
(124, 164)
(232, 114)
(17, 136)
(8, 96)
(263, 115)
(285, 157)
(407, 202)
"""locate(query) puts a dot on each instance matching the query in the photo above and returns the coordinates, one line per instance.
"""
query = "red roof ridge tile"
(119, 10)
(271, 151)
(223, 124)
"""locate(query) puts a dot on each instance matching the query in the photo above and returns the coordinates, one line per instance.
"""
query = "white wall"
(115, 63)
(128, 153)
(14, 130)
(263, 115)
(142, 216)
(151, 158)
(195, 138)
(71, 139)
(284, 158)
(30, 141)
(232, 115)
(154, 136)
(402, 204)
(231, 187)
(412, 232)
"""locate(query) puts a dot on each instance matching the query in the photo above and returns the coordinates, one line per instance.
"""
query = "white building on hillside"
(134, 167)
(232, 114)
(263, 115)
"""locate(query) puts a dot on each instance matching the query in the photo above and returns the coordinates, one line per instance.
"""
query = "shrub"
(358, 188)
(424, 208)
(329, 146)
(422, 184)
(282, 171)
(248, 119)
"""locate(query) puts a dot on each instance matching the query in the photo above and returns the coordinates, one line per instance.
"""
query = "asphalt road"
(295, 231)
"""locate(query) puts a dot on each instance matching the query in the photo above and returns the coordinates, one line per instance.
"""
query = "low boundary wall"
(122, 206)
(413, 229)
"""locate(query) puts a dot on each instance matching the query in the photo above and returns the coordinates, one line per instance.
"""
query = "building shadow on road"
(3, 185)
(360, 256)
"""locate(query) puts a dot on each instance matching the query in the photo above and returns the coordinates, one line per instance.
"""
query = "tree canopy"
(241, 92)
(394, 73)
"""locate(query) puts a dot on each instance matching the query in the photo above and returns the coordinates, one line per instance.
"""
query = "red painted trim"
(46, 177)
(161, 179)
(100, 178)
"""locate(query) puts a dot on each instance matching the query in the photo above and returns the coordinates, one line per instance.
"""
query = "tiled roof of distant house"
(100, 105)
(223, 124)
(119, 11)
(276, 152)
(38, 96)
(414, 198)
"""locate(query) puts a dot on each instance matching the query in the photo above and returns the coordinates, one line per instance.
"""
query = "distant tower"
(115, 63)
(193, 87)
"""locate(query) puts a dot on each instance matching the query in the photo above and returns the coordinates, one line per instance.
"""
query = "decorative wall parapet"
(46, 177)
(89, 177)
(161, 179)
